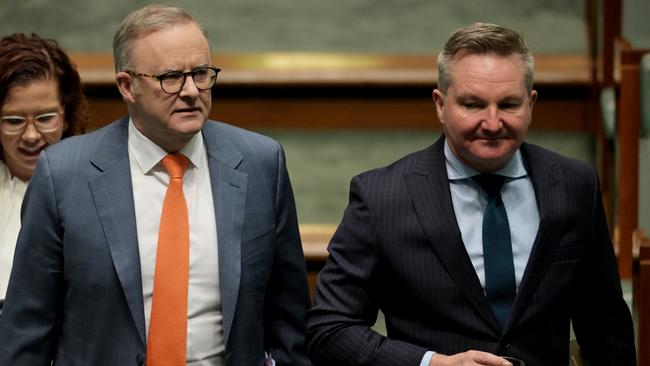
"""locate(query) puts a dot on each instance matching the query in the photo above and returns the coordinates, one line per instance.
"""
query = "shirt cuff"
(426, 358)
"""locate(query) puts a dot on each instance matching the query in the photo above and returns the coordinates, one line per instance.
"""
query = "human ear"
(125, 85)
(439, 100)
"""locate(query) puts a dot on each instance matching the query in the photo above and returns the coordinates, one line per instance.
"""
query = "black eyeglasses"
(172, 82)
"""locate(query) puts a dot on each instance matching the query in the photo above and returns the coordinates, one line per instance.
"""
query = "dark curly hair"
(27, 58)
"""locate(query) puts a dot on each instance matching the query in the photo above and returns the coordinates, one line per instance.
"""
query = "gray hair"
(484, 38)
(142, 22)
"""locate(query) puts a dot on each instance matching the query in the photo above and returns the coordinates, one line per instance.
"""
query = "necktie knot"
(175, 164)
(490, 183)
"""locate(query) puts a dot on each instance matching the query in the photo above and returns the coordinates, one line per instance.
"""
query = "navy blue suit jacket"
(399, 249)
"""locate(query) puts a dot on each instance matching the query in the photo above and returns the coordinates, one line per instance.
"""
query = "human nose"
(189, 88)
(31, 133)
(492, 120)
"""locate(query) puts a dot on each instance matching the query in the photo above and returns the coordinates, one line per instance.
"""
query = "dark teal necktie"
(500, 285)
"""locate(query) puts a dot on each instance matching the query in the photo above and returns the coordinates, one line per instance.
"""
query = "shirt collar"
(457, 170)
(148, 155)
(10, 183)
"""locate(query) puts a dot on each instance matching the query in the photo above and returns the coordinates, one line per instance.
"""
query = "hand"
(469, 358)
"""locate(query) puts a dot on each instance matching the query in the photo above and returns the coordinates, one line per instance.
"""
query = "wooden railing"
(628, 134)
(642, 297)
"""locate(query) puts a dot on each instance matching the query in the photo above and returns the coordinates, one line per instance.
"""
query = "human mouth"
(188, 110)
(31, 152)
(491, 137)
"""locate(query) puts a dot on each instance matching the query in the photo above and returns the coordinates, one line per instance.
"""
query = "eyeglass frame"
(160, 77)
(31, 117)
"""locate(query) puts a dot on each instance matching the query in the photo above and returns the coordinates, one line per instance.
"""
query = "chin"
(491, 160)
(494, 151)
(188, 126)
(24, 173)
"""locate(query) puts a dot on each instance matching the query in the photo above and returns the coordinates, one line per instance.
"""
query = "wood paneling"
(306, 108)
(628, 128)
(345, 91)
(323, 69)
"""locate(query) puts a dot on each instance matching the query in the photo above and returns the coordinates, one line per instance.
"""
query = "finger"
(488, 359)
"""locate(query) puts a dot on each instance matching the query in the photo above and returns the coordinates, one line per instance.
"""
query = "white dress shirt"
(12, 191)
(205, 346)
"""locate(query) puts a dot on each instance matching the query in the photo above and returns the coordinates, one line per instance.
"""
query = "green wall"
(321, 163)
(348, 26)
(374, 26)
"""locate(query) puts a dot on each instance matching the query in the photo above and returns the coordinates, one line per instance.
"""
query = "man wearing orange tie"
(164, 237)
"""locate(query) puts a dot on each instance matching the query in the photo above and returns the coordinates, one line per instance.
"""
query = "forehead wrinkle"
(470, 86)
(165, 51)
(186, 62)
(471, 72)
(493, 93)
(32, 98)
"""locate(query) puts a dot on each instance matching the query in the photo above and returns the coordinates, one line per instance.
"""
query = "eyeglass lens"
(46, 122)
(172, 82)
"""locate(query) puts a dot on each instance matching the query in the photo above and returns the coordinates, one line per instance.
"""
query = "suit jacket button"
(139, 358)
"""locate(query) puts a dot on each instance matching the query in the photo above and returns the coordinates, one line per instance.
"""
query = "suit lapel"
(113, 196)
(428, 186)
(544, 174)
(229, 196)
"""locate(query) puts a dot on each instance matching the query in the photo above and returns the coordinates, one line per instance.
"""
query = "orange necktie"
(166, 345)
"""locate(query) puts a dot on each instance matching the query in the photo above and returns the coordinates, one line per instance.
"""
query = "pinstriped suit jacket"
(399, 249)
(75, 294)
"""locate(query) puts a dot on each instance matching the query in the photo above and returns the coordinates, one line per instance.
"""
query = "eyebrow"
(192, 69)
(476, 98)
(38, 112)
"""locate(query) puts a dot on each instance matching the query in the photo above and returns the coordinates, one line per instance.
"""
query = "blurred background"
(312, 36)
(376, 26)
(345, 85)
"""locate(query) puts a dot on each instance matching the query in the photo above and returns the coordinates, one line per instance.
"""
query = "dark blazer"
(399, 249)
(75, 294)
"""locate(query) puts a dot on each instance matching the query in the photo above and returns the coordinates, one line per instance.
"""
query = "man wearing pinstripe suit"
(412, 244)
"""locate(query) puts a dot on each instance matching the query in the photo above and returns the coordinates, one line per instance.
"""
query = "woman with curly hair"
(41, 102)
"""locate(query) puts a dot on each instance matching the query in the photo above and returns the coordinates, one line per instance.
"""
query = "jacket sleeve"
(601, 318)
(344, 310)
(28, 326)
(287, 298)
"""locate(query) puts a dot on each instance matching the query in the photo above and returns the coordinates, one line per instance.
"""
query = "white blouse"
(12, 191)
